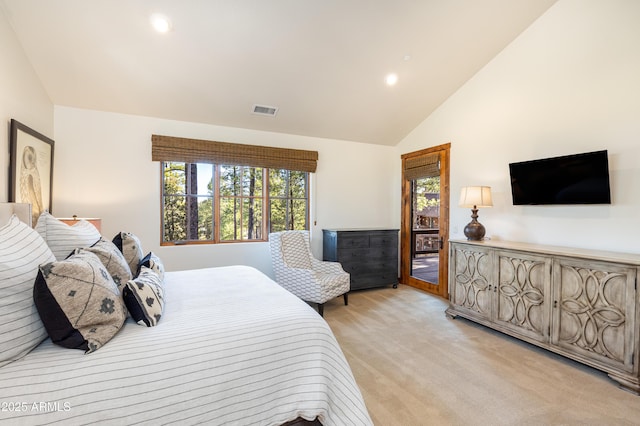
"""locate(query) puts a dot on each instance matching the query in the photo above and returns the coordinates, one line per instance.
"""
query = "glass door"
(424, 230)
(426, 241)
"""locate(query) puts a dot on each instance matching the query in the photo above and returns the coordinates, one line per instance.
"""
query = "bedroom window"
(187, 202)
(220, 192)
(241, 202)
(210, 203)
(288, 200)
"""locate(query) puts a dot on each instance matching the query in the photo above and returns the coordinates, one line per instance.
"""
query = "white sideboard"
(582, 304)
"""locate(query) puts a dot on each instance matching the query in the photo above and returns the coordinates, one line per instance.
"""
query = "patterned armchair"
(302, 274)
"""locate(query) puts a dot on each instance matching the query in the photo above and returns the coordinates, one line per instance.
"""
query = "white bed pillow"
(62, 238)
(22, 250)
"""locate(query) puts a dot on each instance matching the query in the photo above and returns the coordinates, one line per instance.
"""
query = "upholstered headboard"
(22, 210)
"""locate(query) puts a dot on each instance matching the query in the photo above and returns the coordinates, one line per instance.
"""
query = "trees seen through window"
(226, 203)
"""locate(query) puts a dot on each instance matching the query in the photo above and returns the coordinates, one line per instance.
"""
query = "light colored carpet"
(415, 366)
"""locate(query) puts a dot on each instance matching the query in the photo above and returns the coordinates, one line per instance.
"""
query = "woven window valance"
(422, 166)
(170, 148)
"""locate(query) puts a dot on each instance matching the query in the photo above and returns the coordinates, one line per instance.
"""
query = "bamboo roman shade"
(170, 148)
(422, 166)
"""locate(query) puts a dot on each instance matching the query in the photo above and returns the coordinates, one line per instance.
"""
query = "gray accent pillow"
(22, 250)
(144, 297)
(78, 302)
(154, 263)
(131, 248)
(113, 259)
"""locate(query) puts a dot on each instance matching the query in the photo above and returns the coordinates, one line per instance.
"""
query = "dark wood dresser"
(369, 255)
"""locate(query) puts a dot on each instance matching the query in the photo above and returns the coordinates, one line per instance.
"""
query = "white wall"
(570, 83)
(103, 168)
(22, 97)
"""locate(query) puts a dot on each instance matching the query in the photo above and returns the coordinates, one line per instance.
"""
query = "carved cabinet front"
(472, 280)
(582, 304)
(595, 311)
(523, 300)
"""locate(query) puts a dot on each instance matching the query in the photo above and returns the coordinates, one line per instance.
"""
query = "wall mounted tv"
(570, 179)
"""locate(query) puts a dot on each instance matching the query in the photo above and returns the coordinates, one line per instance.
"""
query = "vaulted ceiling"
(322, 63)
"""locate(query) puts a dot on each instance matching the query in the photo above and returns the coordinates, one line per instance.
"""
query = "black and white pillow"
(113, 259)
(22, 250)
(62, 238)
(144, 297)
(131, 248)
(78, 302)
(154, 263)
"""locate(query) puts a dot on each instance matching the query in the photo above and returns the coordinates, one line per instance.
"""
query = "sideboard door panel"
(523, 302)
(594, 311)
(472, 280)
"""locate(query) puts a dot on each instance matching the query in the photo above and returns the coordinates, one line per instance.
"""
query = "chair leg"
(346, 298)
(321, 309)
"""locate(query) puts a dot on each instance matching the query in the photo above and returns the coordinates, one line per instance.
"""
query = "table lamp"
(474, 197)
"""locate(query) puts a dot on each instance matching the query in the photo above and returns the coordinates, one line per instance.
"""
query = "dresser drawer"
(376, 253)
(348, 254)
(369, 267)
(365, 254)
(353, 241)
(385, 240)
(373, 280)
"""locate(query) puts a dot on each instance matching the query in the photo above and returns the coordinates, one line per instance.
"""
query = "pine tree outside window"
(210, 203)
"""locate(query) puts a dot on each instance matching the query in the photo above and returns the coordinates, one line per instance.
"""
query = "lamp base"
(474, 231)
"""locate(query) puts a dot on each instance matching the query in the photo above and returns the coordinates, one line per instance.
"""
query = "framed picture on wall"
(31, 169)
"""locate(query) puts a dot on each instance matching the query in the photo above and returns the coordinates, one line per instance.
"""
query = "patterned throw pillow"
(131, 248)
(62, 238)
(144, 297)
(22, 250)
(154, 263)
(78, 302)
(113, 259)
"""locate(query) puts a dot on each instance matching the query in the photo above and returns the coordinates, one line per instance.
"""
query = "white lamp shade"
(475, 196)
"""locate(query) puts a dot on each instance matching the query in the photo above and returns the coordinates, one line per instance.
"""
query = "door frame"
(406, 225)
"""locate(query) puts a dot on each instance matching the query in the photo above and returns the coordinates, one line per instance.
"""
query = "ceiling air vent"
(265, 110)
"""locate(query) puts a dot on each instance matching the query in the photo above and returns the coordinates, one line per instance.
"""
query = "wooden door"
(416, 165)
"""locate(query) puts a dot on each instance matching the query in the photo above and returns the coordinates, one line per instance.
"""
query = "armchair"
(298, 271)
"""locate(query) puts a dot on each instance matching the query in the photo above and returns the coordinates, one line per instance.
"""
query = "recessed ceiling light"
(391, 79)
(160, 23)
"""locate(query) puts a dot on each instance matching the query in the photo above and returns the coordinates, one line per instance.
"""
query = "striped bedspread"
(232, 348)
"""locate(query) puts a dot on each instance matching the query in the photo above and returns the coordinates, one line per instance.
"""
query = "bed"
(232, 348)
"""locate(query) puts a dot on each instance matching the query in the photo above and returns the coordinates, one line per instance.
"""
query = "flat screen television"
(570, 179)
